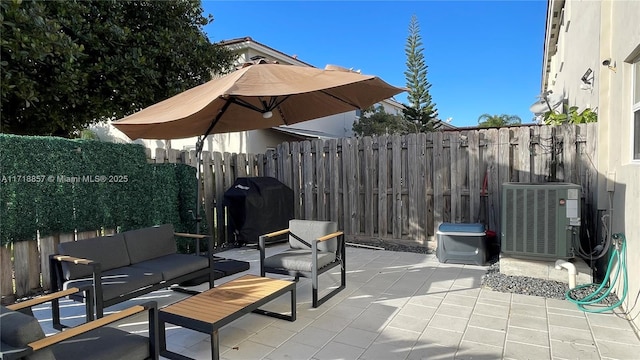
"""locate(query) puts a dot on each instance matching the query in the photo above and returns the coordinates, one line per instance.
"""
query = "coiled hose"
(619, 256)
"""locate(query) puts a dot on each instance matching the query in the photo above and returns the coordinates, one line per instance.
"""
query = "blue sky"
(483, 56)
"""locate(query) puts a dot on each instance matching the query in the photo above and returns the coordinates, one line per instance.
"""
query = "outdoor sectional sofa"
(126, 265)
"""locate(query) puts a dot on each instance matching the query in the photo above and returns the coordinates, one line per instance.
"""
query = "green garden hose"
(619, 256)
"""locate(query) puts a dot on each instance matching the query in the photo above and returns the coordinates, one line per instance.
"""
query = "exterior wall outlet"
(611, 181)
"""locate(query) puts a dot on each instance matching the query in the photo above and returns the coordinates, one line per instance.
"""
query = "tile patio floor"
(400, 306)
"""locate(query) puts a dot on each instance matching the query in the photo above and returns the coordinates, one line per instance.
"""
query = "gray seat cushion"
(104, 343)
(18, 330)
(150, 243)
(309, 230)
(298, 260)
(109, 251)
(120, 281)
(174, 265)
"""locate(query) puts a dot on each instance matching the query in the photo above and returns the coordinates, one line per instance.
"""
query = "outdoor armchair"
(315, 247)
(21, 336)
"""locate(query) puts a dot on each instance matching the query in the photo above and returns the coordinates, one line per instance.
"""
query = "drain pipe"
(570, 268)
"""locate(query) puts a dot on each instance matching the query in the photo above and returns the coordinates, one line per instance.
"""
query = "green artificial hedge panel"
(56, 185)
(174, 201)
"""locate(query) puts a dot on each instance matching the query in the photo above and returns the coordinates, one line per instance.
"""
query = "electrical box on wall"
(540, 220)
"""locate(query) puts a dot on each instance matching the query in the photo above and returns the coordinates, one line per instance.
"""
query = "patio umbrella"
(256, 96)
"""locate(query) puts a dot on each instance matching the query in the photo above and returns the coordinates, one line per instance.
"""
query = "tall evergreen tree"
(421, 110)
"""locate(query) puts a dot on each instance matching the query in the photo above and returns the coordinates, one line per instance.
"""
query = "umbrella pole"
(199, 147)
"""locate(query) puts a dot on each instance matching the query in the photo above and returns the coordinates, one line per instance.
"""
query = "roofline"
(552, 26)
(245, 41)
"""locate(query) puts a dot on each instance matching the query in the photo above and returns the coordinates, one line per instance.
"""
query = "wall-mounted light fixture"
(585, 78)
(609, 64)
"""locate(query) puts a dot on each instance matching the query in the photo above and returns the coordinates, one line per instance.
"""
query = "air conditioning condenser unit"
(540, 220)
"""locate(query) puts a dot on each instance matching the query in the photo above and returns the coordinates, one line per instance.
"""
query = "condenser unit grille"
(536, 221)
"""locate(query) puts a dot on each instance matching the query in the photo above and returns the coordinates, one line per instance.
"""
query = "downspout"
(560, 264)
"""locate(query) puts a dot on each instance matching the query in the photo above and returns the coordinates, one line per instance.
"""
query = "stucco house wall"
(590, 33)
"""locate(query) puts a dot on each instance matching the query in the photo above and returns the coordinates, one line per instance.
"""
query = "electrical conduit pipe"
(560, 264)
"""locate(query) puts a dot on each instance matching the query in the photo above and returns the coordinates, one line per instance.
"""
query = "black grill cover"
(256, 206)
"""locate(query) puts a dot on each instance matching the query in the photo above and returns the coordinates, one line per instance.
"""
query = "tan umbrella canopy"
(257, 97)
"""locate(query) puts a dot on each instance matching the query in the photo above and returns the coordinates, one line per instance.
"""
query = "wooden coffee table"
(208, 311)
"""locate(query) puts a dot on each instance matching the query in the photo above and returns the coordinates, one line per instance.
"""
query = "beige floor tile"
(493, 296)
(356, 337)
(459, 300)
(397, 336)
(528, 336)
(292, 350)
(522, 351)
(500, 310)
(574, 322)
(411, 323)
(616, 321)
(272, 336)
(528, 310)
(614, 350)
(569, 350)
(432, 352)
(231, 336)
(330, 322)
(448, 323)
(338, 351)
(374, 323)
(454, 310)
(386, 351)
(417, 311)
(484, 336)
(313, 336)
(440, 337)
(528, 322)
(426, 300)
(615, 335)
(488, 322)
(582, 337)
(474, 351)
(247, 350)
(528, 300)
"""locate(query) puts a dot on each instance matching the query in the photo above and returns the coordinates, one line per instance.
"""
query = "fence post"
(6, 269)
(48, 246)
(27, 266)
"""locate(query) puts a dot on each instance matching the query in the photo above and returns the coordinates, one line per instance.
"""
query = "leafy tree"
(375, 121)
(571, 116)
(421, 109)
(67, 64)
(486, 120)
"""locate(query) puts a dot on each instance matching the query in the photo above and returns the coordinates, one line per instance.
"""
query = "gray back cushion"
(312, 229)
(19, 329)
(150, 243)
(109, 251)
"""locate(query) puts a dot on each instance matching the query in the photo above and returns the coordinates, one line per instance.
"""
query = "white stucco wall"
(623, 28)
(599, 30)
(578, 50)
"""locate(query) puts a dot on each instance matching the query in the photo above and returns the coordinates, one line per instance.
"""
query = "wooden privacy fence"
(401, 188)
(28, 261)
(397, 188)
